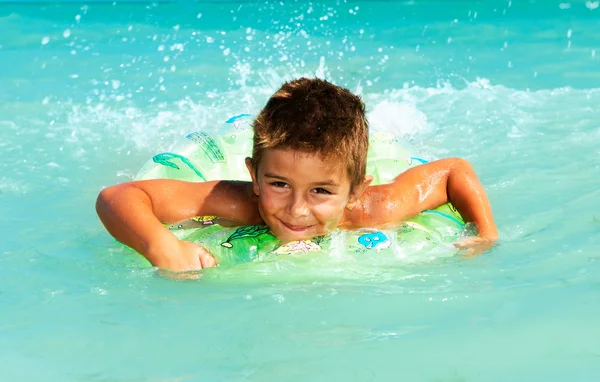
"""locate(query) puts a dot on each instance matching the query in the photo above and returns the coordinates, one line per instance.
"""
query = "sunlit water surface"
(90, 92)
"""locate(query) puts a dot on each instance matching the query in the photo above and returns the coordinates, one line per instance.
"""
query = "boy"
(308, 171)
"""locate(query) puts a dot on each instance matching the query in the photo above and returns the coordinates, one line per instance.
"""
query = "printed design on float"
(297, 246)
(243, 232)
(449, 217)
(205, 220)
(234, 119)
(166, 158)
(309, 245)
(195, 222)
(420, 160)
(321, 239)
(374, 240)
(208, 146)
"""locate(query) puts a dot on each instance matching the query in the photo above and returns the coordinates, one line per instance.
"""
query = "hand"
(196, 256)
(474, 245)
(184, 256)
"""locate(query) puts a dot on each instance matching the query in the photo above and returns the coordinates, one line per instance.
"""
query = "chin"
(285, 235)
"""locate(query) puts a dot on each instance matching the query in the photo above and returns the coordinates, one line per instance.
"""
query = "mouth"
(297, 228)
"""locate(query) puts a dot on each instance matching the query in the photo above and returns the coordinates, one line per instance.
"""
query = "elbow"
(120, 200)
(460, 171)
(460, 164)
(105, 201)
(462, 179)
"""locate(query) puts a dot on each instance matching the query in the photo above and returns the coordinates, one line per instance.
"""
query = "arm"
(426, 187)
(133, 214)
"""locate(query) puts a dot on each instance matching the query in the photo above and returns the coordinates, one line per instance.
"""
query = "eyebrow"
(328, 182)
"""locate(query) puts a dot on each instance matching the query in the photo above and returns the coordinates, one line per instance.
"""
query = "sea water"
(89, 91)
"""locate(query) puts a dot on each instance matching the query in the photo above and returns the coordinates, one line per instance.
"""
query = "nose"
(297, 206)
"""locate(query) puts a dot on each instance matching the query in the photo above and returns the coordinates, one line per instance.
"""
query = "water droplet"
(100, 291)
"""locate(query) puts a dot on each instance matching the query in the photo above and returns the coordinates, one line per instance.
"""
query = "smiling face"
(301, 195)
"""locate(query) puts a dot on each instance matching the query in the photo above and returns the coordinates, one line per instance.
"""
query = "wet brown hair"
(315, 116)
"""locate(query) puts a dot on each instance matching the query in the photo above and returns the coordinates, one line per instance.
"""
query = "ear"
(253, 175)
(358, 191)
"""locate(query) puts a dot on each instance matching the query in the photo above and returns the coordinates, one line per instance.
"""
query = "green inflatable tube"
(201, 156)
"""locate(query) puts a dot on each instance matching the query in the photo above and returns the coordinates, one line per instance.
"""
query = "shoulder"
(232, 200)
(378, 206)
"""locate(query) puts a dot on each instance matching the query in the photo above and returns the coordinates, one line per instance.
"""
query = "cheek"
(332, 210)
(270, 200)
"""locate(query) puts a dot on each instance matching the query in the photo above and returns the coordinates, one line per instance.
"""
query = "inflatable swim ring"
(201, 156)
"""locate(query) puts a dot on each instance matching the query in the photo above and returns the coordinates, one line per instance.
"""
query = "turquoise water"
(90, 92)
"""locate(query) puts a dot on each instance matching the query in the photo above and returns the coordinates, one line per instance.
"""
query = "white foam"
(397, 118)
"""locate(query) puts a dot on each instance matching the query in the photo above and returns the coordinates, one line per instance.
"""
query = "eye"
(323, 191)
(278, 184)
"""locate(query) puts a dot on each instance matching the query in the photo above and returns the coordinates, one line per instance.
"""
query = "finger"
(207, 260)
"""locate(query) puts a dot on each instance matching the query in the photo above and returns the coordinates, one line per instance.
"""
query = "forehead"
(303, 165)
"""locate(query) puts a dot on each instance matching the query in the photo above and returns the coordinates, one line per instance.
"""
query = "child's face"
(300, 195)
